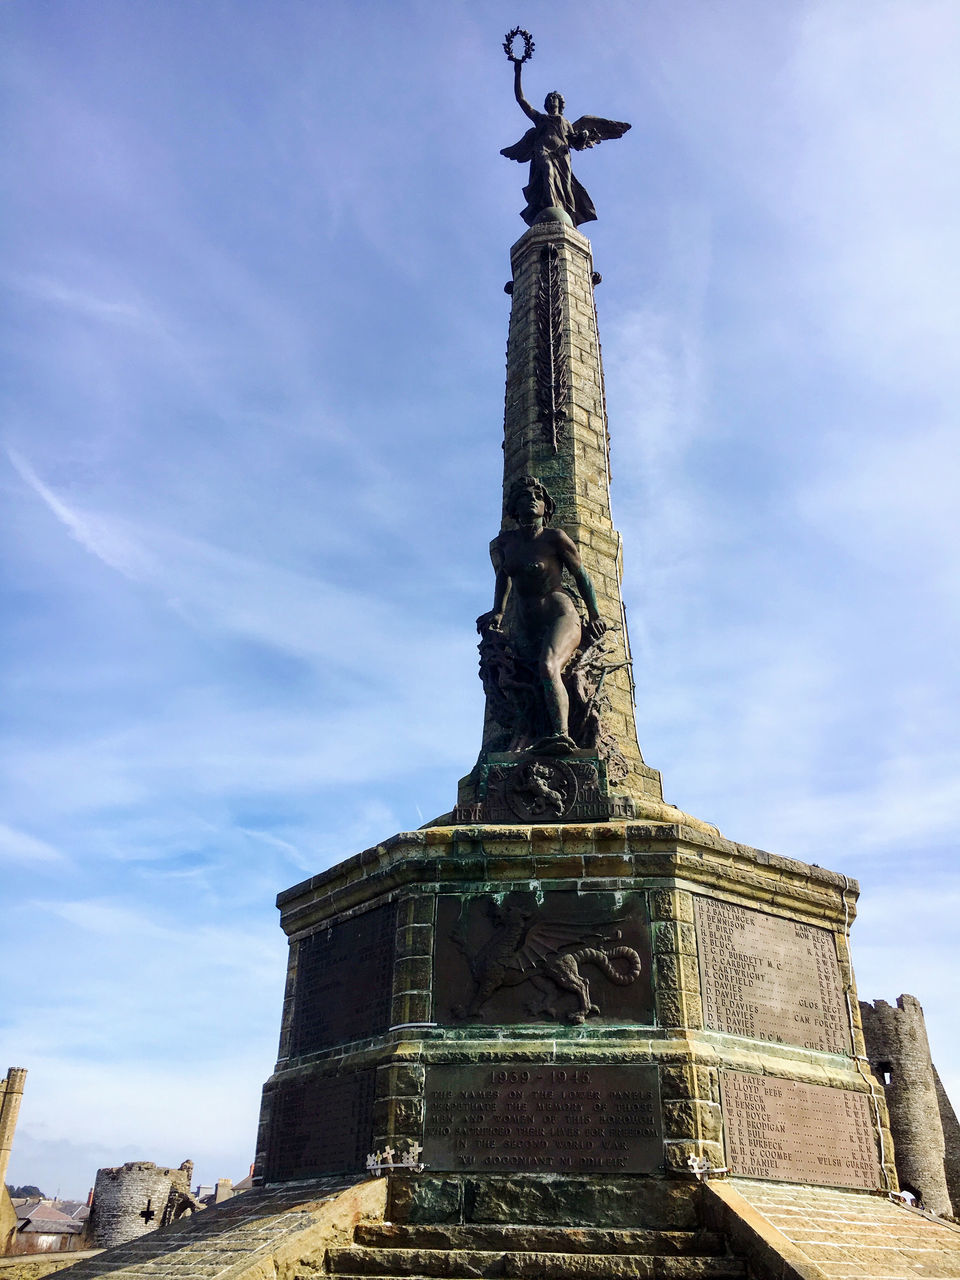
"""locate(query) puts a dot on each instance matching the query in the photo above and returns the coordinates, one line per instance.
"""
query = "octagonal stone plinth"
(611, 999)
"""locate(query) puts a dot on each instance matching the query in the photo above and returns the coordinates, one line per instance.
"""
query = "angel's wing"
(599, 130)
(522, 150)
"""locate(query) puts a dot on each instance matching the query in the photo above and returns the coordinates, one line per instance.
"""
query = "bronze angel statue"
(547, 148)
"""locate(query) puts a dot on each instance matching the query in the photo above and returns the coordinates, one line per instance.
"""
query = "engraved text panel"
(537, 1117)
(796, 1132)
(770, 978)
(344, 981)
(321, 1126)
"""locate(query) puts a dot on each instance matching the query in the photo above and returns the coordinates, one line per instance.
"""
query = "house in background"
(43, 1228)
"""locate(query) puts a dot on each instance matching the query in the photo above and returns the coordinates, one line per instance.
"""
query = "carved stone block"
(521, 787)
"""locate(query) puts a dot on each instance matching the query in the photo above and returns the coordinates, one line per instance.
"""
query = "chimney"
(11, 1093)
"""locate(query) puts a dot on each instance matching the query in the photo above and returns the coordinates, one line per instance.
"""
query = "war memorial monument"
(566, 1028)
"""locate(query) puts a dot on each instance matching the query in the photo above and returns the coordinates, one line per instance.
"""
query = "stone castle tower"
(11, 1095)
(137, 1197)
(922, 1120)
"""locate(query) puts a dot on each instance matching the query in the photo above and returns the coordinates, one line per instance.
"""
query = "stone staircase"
(535, 1252)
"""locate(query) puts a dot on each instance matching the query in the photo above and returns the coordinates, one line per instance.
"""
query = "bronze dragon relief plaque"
(559, 956)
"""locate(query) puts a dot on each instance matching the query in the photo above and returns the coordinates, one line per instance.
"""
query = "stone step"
(541, 1239)
(357, 1261)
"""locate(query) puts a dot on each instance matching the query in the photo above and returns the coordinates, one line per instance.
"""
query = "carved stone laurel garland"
(551, 360)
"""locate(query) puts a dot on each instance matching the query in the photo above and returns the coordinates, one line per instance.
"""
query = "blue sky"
(250, 465)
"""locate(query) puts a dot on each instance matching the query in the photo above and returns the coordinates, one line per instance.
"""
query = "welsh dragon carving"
(548, 955)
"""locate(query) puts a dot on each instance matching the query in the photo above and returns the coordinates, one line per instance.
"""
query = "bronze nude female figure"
(529, 562)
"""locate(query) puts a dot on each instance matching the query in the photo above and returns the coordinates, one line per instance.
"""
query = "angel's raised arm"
(525, 106)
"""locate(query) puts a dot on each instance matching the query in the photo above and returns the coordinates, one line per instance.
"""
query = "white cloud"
(167, 1112)
(897, 507)
(118, 311)
(102, 537)
(219, 589)
(878, 182)
(19, 846)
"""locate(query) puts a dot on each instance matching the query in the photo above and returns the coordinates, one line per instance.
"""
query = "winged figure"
(546, 147)
(548, 955)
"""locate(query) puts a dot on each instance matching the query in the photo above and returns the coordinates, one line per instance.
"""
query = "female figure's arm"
(501, 593)
(570, 559)
(525, 106)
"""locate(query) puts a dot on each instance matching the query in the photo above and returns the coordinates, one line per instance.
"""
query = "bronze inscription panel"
(320, 1126)
(796, 1132)
(344, 981)
(560, 957)
(770, 978)
(538, 1117)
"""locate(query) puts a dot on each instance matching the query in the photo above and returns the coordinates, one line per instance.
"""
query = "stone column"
(11, 1093)
(555, 428)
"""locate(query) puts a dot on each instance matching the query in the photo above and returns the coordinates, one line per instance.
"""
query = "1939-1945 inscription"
(537, 1116)
(796, 1132)
(769, 978)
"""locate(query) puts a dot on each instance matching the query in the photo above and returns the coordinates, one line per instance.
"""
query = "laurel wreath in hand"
(528, 45)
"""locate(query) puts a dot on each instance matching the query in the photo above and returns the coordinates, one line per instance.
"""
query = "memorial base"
(654, 1203)
(575, 1003)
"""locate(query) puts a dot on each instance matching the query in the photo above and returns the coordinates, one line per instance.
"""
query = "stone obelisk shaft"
(555, 428)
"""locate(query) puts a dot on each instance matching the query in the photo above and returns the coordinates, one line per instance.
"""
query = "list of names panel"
(770, 978)
(791, 1131)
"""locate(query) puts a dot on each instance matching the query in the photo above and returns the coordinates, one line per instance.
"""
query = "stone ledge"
(680, 1047)
(691, 857)
(33, 1266)
(549, 233)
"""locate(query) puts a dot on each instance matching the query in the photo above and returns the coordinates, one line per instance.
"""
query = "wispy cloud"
(19, 846)
(119, 312)
(215, 588)
(104, 538)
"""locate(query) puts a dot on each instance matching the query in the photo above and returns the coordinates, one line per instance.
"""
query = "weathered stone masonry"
(11, 1094)
(138, 1197)
(899, 1053)
(576, 469)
